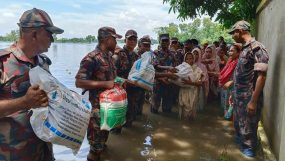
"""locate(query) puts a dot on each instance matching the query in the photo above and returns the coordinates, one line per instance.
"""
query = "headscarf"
(205, 71)
(188, 53)
(200, 64)
(214, 66)
(194, 68)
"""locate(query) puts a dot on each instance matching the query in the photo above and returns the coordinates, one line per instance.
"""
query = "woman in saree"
(204, 89)
(189, 95)
(211, 60)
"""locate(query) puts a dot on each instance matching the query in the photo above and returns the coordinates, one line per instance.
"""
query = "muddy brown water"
(160, 137)
(164, 137)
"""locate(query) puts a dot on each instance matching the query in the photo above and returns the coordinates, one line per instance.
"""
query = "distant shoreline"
(94, 42)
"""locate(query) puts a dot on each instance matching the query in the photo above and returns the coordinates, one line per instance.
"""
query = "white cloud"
(75, 5)
(135, 14)
(143, 16)
(10, 16)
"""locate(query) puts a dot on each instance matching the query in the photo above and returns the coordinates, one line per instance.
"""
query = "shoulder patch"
(255, 46)
(4, 52)
(93, 54)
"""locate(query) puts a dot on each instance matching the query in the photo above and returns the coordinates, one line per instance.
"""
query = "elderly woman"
(204, 89)
(211, 60)
(189, 96)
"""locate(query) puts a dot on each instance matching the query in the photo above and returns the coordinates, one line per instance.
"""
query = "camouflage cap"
(174, 39)
(131, 33)
(188, 41)
(163, 36)
(240, 25)
(145, 40)
(106, 31)
(38, 18)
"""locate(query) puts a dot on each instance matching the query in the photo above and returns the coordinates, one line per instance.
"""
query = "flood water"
(152, 137)
(65, 59)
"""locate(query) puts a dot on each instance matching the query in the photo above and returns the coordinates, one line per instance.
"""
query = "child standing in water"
(189, 96)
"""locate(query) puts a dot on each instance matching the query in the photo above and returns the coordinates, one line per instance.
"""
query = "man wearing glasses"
(17, 139)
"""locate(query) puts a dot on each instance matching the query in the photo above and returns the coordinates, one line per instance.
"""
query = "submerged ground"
(164, 137)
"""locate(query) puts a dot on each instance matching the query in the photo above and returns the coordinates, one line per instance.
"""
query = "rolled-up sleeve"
(87, 66)
(261, 60)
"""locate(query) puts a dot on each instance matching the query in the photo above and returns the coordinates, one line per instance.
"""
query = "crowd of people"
(232, 73)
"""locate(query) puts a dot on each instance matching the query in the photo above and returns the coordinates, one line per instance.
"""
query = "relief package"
(185, 71)
(142, 72)
(66, 118)
(113, 106)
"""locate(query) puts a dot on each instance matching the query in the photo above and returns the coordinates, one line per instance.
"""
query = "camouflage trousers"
(246, 125)
(163, 93)
(135, 103)
(140, 101)
(18, 141)
(96, 137)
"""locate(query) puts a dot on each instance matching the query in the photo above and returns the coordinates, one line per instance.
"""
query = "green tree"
(12, 36)
(227, 12)
(87, 39)
(172, 29)
(90, 38)
(203, 30)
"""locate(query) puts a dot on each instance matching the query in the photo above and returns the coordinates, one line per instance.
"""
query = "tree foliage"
(12, 36)
(87, 39)
(203, 30)
(226, 12)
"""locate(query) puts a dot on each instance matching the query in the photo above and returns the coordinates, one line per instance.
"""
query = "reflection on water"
(148, 150)
(147, 141)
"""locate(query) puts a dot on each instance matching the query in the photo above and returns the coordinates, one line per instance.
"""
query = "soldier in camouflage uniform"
(188, 46)
(249, 80)
(162, 89)
(124, 60)
(97, 73)
(178, 56)
(178, 59)
(17, 139)
(144, 45)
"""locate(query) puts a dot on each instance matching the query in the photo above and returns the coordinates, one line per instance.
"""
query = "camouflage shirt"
(253, 58)
(178, 57)
(17, 139)
(165, 58)
(97, 66)
(125, 62)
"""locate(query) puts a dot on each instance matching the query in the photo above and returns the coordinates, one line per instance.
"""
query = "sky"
(80, 18)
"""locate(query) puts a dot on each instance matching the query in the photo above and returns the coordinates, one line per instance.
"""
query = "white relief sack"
(66, 118)
(142, 72)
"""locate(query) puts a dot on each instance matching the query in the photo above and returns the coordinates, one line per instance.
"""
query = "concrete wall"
(282, 140)
(271, 32)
